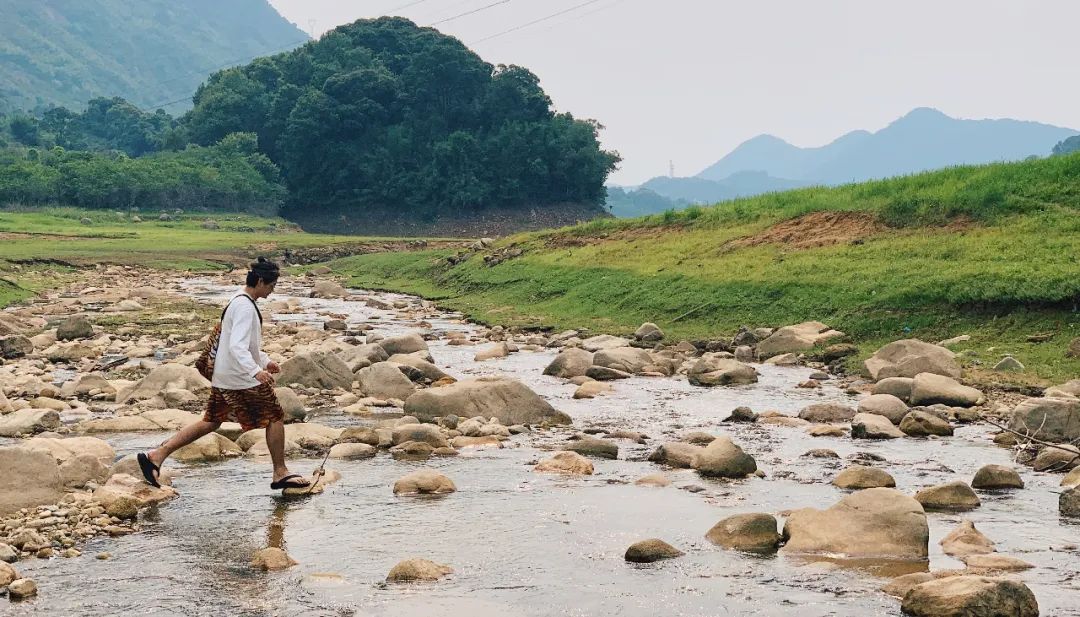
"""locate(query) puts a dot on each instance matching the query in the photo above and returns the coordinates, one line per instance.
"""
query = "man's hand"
(265, 378)
(273, 368)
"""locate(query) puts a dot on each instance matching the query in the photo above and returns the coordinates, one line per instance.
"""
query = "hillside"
(65, 52)
(922, 140)
(988, 251)
(702, 191)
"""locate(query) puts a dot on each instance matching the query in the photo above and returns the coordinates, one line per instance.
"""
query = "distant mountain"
(65, 52)
(923, 139)
(628, 202)
(739, 184)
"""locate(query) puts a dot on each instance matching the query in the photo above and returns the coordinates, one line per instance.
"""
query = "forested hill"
(66, 52)
(382, 119)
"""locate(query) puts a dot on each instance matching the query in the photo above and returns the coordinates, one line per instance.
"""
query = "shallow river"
(523, 543)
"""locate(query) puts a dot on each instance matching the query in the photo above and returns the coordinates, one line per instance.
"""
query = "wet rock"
(923, 424)
(208, 448)
(424, 482)
(571, 362)
(886, 405)
(784, 359)
(123, 508)
(272, 559)
(651, 550)
(316, 370)
(930, 389)
(12, 347)
(649, 333)
(714, 370)
(589, 446)
(653, 479)
(827, 413)
(1057, 458)
(74, 328)
(426, 433)
(7, 574)
(996, 477)
(566, 463)
(826, 430)
(626, 359)
(1050, 419)
(29, 478)
(859, 477)
(28, 540)
(677, 454)
(725, 459)
(871, 523)
(966, 596)
(966, 540)
(872, 426)
(797, 338)
(328, 290)
(1069, 502)
(592, 389)
(821, 453)
(8, 554)
(951, 497)
(910, 357)
(746, 532)
(122, 485)
(417, 570)
(412, 451)
(899, 586)
(352, 451)
(603, 373)
(996, 563)
(742, 414)
(22, 588)
(507, 399)
(29, 421)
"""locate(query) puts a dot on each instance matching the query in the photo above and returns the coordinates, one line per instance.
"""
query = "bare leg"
(186, 435)
(275, 442)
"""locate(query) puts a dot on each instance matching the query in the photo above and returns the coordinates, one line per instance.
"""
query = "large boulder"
(951, 497)
(1049, 419)
(873, 426)
(793, 339)
(923, 424)
(170, 376)
(498, 350)
(1069, 502)
(29, 478)
(649, 332)
(858, 477)
(909, 357)
(931, 389)
(970, 596)
(65, 449)
(122, 486)
(886, 405)
(384, 381)
(827, 413)
(74, 328)
(1057, 458)
(424, 433)
(716, 370)
(328, 290)
(754, 533)
(290, 403)
(966, 540)
(996, 477)
(316, 370)
(591, 446)
(571, 362)
(406, 343)
(651, 550)
(208, 448)
(509, 400)
(365, 355)
(417, 570)
(900, 387)
(15, 346)
(427, 369)
(603, 341)
(626, 359)
(29, 421)
(725, 459)
(880, 523)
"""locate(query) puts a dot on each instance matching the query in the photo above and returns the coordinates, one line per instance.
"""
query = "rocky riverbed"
(483, 472)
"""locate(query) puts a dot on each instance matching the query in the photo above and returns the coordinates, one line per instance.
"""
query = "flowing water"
(523, 543)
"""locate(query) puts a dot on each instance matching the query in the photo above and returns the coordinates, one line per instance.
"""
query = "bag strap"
(250, 299)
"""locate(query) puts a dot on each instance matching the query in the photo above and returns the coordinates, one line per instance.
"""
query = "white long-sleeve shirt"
(239, 357)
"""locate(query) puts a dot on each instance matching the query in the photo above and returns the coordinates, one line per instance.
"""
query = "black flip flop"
(284, 482)
(148, 468)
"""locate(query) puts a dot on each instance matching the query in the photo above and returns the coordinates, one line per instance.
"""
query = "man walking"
(242, 388)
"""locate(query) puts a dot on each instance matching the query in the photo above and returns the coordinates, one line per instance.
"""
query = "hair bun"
(261, 259)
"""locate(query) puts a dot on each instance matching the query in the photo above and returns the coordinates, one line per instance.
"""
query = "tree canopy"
(1067, 146)
(382, 114)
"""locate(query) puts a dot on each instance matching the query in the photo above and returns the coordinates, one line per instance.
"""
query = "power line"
(483, 8)
(403, 6)
(536, 21)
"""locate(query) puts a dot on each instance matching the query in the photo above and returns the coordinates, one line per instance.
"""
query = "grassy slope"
(1009, 271)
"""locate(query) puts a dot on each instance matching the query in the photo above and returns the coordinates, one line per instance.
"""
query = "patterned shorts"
(253, 408)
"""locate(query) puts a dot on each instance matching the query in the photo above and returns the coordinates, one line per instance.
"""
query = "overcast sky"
(688, 80)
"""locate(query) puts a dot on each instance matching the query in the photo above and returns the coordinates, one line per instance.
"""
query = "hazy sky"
(688, 80)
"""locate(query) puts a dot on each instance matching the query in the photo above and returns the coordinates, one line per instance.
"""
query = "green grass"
(1012, 270)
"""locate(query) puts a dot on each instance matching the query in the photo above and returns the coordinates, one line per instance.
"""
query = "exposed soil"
(817, 229)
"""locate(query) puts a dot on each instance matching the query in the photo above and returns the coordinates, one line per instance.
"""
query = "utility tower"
(671, 169)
